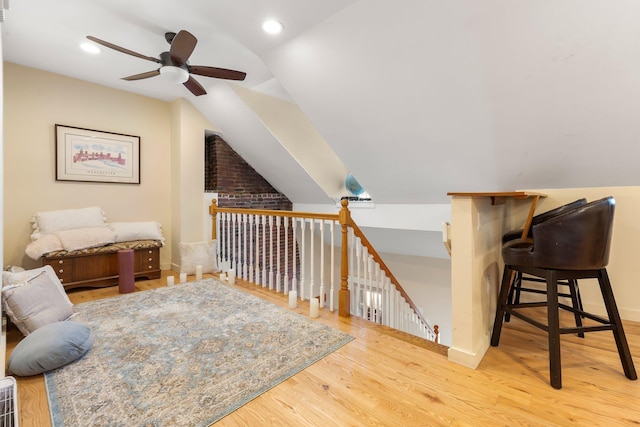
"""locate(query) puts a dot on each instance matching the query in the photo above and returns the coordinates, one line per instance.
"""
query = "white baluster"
(385, 299)
(392, 307)
(286, 256)
(251, 220)
(333, 251)
(378, 295)
(264, 251)
(237, 243)
(257, 267)
(218, 235)
(245, 267)
(303, 261)
(294, 279)
(227, 255)
(278, 278)
(232, 254)
(312, 261)
(322, 296)
(270, 252)
(369, 286)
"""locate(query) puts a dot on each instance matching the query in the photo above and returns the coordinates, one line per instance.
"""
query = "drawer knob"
(150, 251)
(150, 267)
(150, 259)
(60, 262)
(61, 271)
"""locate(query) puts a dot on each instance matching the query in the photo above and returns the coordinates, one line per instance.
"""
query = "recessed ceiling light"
(90, 47)
(272, 27)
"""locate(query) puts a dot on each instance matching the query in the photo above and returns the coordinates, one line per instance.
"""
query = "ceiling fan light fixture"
(174, 74)
(272, 26)
(90, 48)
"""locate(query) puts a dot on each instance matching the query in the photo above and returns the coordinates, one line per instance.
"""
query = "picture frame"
(88, 155)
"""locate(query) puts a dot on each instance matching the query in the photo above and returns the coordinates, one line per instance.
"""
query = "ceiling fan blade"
(195, 87)
(122, 49)
(218, 73)
(142, 75)
(182, 46)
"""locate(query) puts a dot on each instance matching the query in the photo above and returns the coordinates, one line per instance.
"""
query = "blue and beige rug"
(185, 355)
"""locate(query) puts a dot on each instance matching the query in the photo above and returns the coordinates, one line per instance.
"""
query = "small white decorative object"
(183, 277)
(198, 272)
(223, 276)
(170, 281)
(232, 276)
(313, 309)
(293, 299)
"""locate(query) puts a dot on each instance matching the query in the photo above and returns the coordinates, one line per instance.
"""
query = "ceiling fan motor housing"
(165, 57)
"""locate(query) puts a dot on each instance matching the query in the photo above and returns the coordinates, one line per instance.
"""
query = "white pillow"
(198, 253)
(45, 244)
(129, 231)
(82, 238)
(35, 303)
(67, 219)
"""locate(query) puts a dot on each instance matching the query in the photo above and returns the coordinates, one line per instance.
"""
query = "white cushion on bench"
(142, 230)
(51, 221)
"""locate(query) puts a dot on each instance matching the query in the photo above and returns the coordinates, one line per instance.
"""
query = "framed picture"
(96, 156)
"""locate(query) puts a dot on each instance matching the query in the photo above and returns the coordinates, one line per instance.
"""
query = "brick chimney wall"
(236, 182)
(239, 186)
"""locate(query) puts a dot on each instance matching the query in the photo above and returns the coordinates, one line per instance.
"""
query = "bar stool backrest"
(578, 239)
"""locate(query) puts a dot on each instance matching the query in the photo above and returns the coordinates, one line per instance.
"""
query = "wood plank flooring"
(384, 379)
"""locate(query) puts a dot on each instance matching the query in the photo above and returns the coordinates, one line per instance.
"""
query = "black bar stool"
(517, 287)
(571, 246)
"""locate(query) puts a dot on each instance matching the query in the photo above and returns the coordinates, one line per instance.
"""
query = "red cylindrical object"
(126, 280)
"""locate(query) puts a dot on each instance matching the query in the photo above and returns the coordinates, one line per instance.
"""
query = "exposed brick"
(239, 186)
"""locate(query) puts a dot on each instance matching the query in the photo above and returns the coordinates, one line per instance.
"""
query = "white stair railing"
(250, 241)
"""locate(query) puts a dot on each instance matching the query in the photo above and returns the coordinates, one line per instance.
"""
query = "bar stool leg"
(618, 331)
(514, 292)
(555, 374)
(502, 300)
(576, 303)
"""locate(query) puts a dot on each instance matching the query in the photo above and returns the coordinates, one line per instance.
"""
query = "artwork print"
(96, 156)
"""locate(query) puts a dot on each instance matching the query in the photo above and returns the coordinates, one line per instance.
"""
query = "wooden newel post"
(344, 296)
(213, 210)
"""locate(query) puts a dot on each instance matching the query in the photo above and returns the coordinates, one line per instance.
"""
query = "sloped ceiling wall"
(419, 97)
(244, 132)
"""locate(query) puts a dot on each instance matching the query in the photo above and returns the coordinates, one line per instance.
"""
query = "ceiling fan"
(174, 63)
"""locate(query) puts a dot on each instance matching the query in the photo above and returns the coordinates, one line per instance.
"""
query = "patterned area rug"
(185, 355)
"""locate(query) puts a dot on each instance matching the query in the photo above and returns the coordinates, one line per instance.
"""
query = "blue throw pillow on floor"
(50, 347)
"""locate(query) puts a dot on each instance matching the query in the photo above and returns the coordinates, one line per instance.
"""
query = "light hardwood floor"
(383, 379)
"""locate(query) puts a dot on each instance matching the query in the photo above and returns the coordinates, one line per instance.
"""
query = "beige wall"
(187, 188)
(34, 101)
(476, 264)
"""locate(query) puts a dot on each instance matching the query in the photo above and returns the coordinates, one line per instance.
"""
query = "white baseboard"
(465, 358)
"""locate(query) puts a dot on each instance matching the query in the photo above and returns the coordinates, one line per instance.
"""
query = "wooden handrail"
(213, 208)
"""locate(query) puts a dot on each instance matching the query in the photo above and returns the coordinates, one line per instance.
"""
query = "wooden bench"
(98, 267)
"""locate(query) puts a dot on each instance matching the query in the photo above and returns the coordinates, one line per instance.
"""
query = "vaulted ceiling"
(416, 97)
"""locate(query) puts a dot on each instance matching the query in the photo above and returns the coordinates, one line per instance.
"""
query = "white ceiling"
(417, 97)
